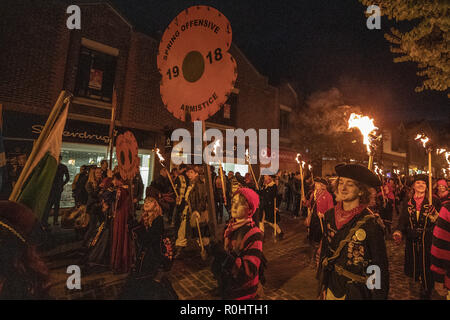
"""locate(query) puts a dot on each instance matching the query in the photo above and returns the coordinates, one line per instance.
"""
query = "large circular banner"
(127, 155)
(198, 73)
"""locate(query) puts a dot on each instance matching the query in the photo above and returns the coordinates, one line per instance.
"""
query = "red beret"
(251, 197)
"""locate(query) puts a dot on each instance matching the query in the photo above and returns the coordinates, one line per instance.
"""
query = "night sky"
(316, 45)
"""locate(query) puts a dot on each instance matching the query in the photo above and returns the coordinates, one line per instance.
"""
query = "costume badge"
(360, 234)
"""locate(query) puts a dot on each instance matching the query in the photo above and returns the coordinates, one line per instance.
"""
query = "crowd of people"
(348, 216)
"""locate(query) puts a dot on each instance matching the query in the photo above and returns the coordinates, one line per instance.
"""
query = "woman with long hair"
(93, 206)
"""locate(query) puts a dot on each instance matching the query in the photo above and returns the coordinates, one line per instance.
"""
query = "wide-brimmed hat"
(421, 177)
(321, 180)
(17, 221)
(359, 173)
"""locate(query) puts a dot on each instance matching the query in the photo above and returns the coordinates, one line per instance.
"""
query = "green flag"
(36, 190)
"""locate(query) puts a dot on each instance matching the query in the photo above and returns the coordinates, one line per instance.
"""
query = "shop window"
(96, 73)
(76, 155)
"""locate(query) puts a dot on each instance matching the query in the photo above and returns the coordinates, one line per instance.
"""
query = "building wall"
(40, 57)
(33, 54)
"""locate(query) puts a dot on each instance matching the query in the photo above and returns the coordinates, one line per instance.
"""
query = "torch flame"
(297, 158)
(303, 164)
(423, 138)
(365, 125)
(440, 151)
(309, 167)
(447, 157)
(161, 159)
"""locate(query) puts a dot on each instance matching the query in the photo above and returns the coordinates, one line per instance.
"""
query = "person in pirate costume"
(195, 209)
(181, 183)
(23, 273)
(416, 224)
(319, 203)
(353, 241)
(268, 194)
(239, 264)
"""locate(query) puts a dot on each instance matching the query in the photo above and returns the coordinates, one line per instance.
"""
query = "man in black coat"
(61, 178)
(353, 251)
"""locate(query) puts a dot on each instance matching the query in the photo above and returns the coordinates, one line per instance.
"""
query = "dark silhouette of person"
(61, 178)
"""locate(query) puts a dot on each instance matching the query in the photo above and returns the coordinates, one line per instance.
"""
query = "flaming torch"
(311, 170)
(424, 139)
(300, 165)
(161, 161)
(247, 157)
(367, 128)
(379, 172)
(447, 157)
(216, 145)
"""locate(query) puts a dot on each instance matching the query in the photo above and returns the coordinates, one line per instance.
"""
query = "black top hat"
(359, 173)
(321, 180)
(420, 177)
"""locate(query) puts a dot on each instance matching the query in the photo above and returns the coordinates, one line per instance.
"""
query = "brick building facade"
(40, 57)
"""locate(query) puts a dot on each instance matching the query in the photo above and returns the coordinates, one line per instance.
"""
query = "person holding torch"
(319, 203)
(353, 242)
(416, 224)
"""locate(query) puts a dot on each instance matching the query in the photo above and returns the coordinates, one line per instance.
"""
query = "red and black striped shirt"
(440, 250)
(247, 244)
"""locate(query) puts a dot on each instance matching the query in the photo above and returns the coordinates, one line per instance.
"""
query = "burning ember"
(365, 125)
(423, 138)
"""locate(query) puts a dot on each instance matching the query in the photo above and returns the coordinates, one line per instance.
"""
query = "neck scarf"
(442, 195)
(233, 226)
(342, 217)
(419, 201)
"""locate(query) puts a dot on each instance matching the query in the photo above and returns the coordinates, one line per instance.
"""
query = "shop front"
(84, 143)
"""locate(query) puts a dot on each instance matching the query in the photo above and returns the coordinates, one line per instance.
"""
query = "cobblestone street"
(289, 274)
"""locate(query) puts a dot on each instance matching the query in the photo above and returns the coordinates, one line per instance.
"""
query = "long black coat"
(267, 195)
(366, 249)
(418, 235)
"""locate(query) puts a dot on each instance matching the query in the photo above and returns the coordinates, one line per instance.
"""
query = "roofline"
(111, 6)
(248, 61)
